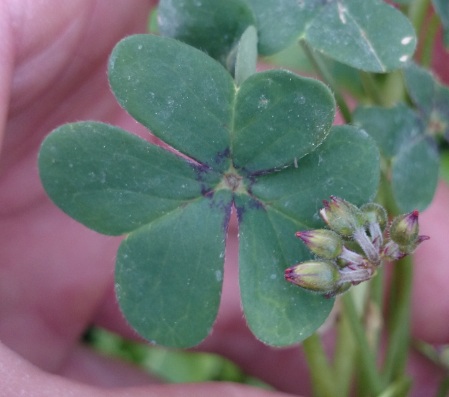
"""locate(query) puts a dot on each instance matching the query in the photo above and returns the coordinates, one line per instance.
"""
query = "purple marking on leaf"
(222, 156)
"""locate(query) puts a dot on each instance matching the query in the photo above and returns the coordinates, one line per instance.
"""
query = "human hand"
(56, 276)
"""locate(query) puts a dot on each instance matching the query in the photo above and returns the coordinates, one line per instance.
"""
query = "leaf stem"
(327, 77)
(399, 321)
(400, 388)
(443, 390)
(344, 356)
(321, 373)
(367, 359)
(417, 13)
(429, 41)
(371, 88)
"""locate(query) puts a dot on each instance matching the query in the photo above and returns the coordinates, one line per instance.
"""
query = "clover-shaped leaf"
(350, 31)
(411, 154)
(236, 143)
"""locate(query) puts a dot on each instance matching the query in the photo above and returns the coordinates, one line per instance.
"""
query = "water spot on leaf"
(263, 102)
(406, 40)
(403, 58)
(218, 275)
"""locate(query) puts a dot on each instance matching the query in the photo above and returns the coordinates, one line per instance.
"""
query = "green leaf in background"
(169, 273)
(350, 31)
(162, 83)
(212, 26)
(170, 365)
(410, 153)
(346, 164)
(279, 117)
(115, 182)
(430, 97)
(415, 175)
(246, 57)
(442, 9)
(356, 32)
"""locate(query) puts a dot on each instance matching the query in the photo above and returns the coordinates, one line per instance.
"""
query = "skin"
(56, 276)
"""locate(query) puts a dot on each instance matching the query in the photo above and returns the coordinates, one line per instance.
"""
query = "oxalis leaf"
(368, 35)
(175, 210)
(409, 151)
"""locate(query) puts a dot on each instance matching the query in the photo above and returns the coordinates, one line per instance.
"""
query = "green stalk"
(443, 390)
(371, 88)
(399, 388)
(377, 299)
(367, 359)
(417, 13)
(399, 321)
(327, 77)
(323, 382)
(344, 357)
(429, 41)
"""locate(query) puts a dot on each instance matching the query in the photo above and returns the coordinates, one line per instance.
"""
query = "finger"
(20, 377)
(430, 301)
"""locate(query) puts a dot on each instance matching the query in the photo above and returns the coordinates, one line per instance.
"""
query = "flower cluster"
(357, 242)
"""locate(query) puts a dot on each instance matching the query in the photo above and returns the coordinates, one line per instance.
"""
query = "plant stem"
(371, 88)
(417, 14)
(399, 388)
(344, 356)
(320, 370)
(327, 77)
(367, 359)
(443, 390)
(429, 41)
(399, 321)
(377, 294)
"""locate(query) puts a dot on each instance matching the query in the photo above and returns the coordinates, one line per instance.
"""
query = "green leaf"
(115, 182)
(279, 26)
(279, 117)
(415, 175)
(399, 132)
(277, 312)
(182, 95)
(246, 59)
(392, 128)
(169, 273)
(368, 35)
(347, 165)
(212, 26)
(431, 98)
(442, 9)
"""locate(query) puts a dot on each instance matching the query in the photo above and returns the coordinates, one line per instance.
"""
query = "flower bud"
(342, 216)
(322, 242)
(316, 276)
(405, 228)
(374, 213)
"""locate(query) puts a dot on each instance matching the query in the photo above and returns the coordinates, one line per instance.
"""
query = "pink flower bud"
(404, 229)
(322, 242)
(342, 216)
(316, 276)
